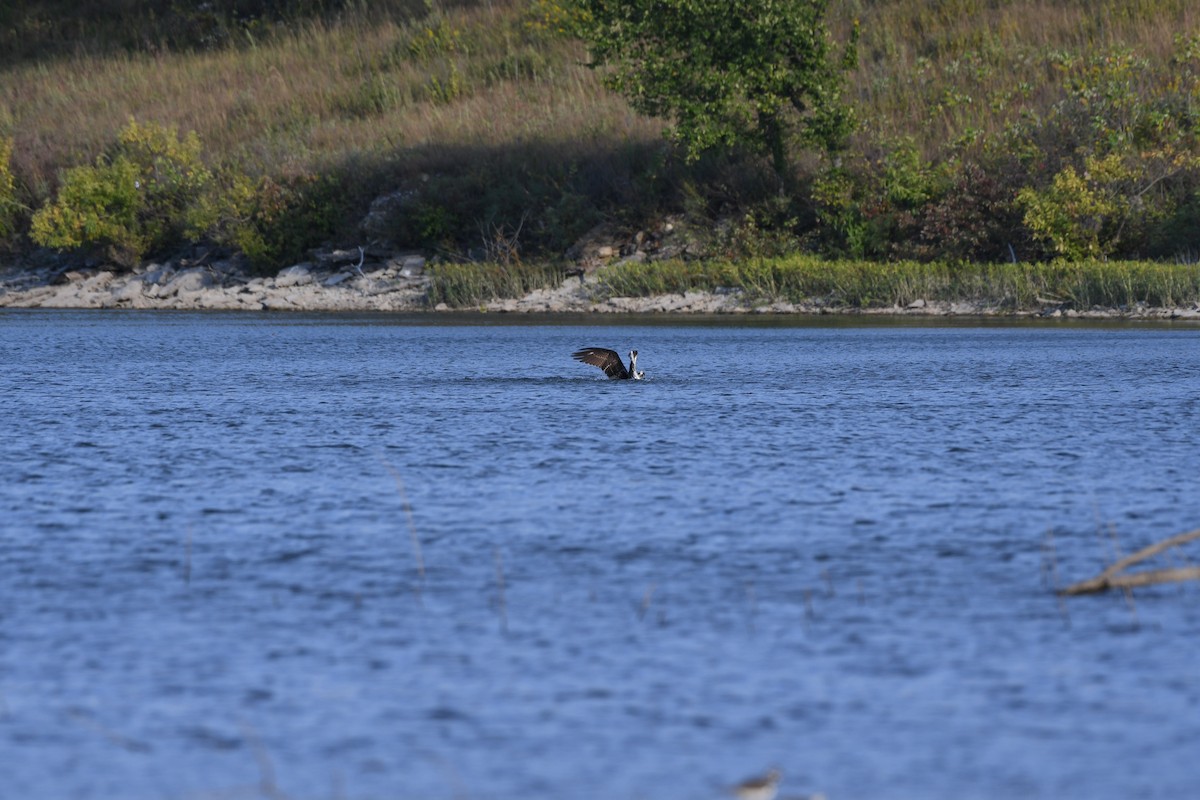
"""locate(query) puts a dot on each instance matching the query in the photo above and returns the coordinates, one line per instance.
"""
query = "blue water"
(830, 549)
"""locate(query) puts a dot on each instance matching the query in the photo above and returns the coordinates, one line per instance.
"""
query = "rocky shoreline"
(341, 281)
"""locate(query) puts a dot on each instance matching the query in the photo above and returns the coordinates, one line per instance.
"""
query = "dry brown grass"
(940, 71)
(475, 92)
(328, 94)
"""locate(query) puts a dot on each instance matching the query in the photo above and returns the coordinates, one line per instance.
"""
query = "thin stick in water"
(1049, 561)
(267, 784)
(647, 596)
(1129, 601)
(501, 602)
(187, 558)
(412, 526)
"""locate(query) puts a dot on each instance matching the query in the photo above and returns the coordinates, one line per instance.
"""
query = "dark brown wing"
(605, 359)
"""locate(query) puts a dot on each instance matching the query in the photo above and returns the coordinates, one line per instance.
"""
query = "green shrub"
(173, 178)
(975, 219)
(95, 206)
(1076, 212)
(144, 197)
(276, 222)
(1113, 205)
(9, 207)
(868, 203)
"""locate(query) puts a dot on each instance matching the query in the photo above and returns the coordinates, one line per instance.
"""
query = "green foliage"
(434, 223)
(142, 198)
(154, 192)
(172, 175)
(275, 223)
(95, 206)
(1088, 214)
(751, 73)
(1077, 213)
(1121, 150)
(866, 204)
(554, 16)
(840, 211)
(436, 37)
(9, 207)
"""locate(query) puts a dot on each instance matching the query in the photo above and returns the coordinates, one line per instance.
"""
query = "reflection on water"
(822, 548)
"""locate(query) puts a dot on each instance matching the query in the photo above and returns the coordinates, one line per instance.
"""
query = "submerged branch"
(1110, 579)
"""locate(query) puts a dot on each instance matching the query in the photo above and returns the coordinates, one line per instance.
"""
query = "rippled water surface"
(828, 549)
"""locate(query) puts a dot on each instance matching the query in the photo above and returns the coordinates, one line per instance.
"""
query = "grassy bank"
(857, 284)
(1038, 129)
(470, 285)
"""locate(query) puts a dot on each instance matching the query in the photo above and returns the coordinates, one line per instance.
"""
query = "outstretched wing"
(605, 359)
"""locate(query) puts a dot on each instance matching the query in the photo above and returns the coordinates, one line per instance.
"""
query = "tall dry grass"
(335, 91)
(863, 284)
(497, 117)
(954, 71)
(355, 91)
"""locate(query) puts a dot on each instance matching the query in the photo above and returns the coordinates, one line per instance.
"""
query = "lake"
(323, 556)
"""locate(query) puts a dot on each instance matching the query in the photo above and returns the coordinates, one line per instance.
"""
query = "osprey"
(610, 362)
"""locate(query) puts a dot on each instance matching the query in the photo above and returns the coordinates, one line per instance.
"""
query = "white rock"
(336, 278)
(275, 303)
(412, 266)
(331, 257)
(126, 292)
(157, 275)
(189, 280)
(98, 281)
(296, 275)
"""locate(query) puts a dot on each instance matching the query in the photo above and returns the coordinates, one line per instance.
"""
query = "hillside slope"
(988, 132)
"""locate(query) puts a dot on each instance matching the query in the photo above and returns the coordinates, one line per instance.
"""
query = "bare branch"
(1110, 579)
(1134, 580)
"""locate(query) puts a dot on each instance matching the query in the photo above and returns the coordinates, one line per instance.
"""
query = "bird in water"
(764, 788)
(610, 362)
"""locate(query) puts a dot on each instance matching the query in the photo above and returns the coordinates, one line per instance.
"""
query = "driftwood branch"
(1111, 578)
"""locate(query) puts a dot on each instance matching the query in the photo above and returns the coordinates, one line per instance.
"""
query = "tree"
(727, 72)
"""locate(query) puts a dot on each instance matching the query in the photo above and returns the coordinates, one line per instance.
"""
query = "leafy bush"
(173, 176)
(142, 198)
(1106, 208)
(276, 222)
(1077, 213)
(867, 204)
(1112, 163)
(9, 207)
(95, 206)
(975, 219)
